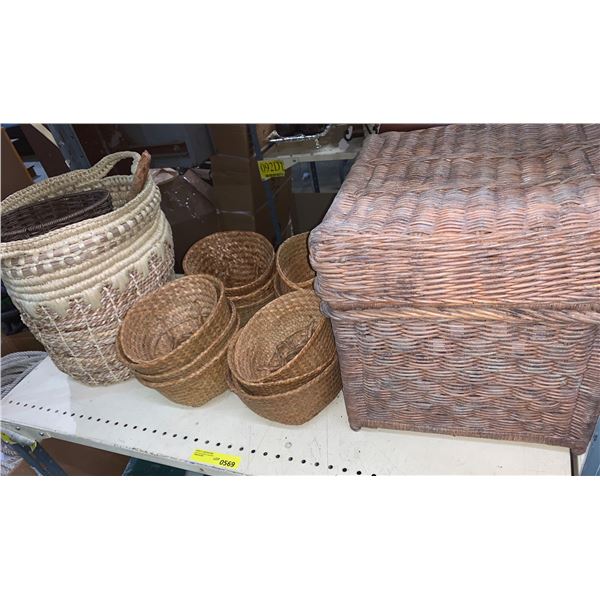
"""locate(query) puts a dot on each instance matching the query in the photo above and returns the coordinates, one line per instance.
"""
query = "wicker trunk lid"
(461, 268)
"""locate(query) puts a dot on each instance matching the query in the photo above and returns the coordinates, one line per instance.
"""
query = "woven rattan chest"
(460, 266)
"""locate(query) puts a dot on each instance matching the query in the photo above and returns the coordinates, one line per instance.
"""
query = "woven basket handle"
(103, 167)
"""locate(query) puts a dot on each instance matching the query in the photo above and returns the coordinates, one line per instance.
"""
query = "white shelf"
(131, 419)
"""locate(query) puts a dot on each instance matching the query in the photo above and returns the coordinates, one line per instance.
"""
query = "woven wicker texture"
(293, 269)
(175, 340)
(442, 228)
(242, 260)
(287, 338)
(296, 406)
(203, 378)
(167, 329)
(461, 269)
(73, 285)
(36, 219)
(250, 304)
(266, 388)
(278, 286)
(213, 342)
(200, 386)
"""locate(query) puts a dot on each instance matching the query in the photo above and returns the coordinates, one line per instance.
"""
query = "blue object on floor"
(137, 466)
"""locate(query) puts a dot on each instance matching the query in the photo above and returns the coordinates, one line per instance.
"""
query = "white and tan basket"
(73, 285)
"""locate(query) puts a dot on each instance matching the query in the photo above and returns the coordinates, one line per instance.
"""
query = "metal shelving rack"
(131, 419)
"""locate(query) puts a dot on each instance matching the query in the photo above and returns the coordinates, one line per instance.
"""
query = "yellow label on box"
(271, 168)
(214, 459)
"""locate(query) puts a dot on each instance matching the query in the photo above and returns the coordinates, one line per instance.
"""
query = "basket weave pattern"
(283, 364)
(459, 266)
(175, 340)
(295, 406)
(293, 268)
(171, 321)
(243, 260)
(74, 284)
(36, 219)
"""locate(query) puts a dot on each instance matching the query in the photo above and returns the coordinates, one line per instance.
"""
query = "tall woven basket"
(460, 266)
(74, 284)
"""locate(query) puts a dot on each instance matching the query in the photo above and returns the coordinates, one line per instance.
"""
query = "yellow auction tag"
(214, 459)
(271, 168)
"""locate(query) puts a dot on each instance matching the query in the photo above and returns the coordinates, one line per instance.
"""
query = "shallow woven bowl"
(169, 327)
(203, 357)
(292, 264)
(296, 406)
(277, 343)
(268, 388)
(198, 387)
(242, 260)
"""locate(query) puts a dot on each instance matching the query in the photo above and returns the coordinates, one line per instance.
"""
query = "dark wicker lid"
(53, 213)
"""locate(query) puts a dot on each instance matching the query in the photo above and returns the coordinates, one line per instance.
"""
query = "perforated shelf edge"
(130, 419)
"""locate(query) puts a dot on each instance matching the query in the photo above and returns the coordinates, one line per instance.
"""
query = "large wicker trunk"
(461, 268)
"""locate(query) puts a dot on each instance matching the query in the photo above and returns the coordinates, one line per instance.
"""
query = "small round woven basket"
(273, 387)
(202, 358)
(243, 260)
(287, 338)
(296, 406)
(198, 387)
(166, 329)
(293, 267)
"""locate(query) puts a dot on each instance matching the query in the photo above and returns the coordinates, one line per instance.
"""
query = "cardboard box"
(235, 139)
(237, 185)
(309, 209)
(259, 220)
(240, 198)
(15, 176)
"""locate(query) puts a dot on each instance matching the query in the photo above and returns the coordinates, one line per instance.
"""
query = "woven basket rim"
(166, 384)
(82, 178)
(266, 385)
(277, 286)
(295, 285)
(256, 295)
(53, 287)
(236, 290)
(331, 365)
(286, 299)
(147, 299)
(102, 197)
(200, 359)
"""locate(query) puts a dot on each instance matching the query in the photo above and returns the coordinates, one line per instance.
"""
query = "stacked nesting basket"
(461, 268)
(243, 260)
(283, 364)
(292, 265)
(73, 280)
(175, 340)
